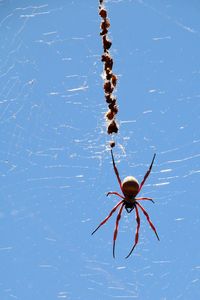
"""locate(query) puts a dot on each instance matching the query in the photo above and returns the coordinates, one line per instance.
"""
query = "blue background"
(55, 165)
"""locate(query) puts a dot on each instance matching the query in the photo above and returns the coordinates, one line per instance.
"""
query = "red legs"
(115, 193)
(143, 198)
(129, 209)
(115, 169)
(138, 223)
(110, 214)
(147, 174)
(117, 221)
(148, 219)
(116, 228)
(137, 230)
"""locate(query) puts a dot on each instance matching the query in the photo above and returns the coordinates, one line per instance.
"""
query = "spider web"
(55, 164)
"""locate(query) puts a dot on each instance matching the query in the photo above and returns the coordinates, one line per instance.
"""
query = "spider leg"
(137, 231)
(147, 174)
(144, 198)
(110, 214)
(148, 219)
(115, 193)
(116, 228)
(115, 169)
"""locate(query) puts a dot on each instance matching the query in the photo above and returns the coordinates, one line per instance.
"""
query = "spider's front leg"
(116, 228)
(148, 219)
(137, 230)
(108, 217)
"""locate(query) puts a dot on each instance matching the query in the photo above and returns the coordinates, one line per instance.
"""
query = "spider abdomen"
(130, 186)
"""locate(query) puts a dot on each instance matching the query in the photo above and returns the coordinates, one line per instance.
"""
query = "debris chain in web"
(110, 79)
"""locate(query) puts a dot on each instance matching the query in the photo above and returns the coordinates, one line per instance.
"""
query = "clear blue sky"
(55, 168)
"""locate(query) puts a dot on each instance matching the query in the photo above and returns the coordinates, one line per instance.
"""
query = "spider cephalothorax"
(129, 188)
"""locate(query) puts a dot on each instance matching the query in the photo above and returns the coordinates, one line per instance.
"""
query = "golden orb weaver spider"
(129, 188)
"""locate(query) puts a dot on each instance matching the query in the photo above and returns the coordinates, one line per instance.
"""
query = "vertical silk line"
(110, 79)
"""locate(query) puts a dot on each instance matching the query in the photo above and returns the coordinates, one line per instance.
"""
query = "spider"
(130, 188)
